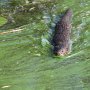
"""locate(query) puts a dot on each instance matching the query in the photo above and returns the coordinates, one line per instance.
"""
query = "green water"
(26, 60)
(2, 21)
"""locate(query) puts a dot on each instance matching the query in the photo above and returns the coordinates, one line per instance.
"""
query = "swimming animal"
(61, 38)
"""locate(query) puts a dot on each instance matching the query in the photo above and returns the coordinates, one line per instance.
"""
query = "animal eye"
(62, 51)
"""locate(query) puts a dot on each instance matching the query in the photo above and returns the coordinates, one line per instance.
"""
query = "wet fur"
(61, 38)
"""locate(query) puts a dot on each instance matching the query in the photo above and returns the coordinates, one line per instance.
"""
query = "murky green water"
(2, 21)
(26, 60)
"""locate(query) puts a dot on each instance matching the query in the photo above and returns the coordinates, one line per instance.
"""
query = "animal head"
(61, 52)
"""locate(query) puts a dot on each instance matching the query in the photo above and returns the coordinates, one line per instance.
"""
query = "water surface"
(26, 60)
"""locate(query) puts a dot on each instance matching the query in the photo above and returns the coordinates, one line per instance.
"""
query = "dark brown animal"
(61, 39)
